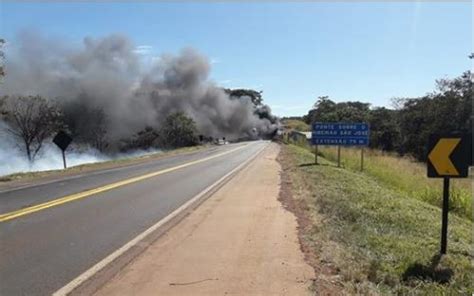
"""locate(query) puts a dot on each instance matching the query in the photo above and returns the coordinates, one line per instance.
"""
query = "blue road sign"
(340, 134)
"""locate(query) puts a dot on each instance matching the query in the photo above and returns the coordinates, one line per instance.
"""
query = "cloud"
(226, 81)
(143, 49)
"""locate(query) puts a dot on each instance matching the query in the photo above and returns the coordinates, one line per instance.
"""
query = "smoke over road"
(107, 74)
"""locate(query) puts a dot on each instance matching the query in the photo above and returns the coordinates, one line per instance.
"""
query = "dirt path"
(239, 242)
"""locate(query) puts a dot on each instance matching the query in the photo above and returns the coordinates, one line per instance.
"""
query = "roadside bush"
(144, 139)
(178, 130)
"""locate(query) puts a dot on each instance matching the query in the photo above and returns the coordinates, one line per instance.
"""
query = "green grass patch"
(389, 241)
(407, 176)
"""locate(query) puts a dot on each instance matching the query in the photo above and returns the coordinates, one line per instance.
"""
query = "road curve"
(41, 251)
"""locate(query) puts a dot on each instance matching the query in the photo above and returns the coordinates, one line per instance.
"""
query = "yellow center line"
(68, 198)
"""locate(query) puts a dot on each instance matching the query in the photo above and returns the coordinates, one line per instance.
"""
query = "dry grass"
(406, 175)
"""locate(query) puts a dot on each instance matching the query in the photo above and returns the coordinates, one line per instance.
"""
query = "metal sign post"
(316, 154)
(64, 159)
(449, 157)
(444, 222)
(338, 156)
(361, 159)
(62, 140)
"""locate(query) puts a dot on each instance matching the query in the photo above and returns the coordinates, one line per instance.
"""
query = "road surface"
(50, 234)
(241, 241)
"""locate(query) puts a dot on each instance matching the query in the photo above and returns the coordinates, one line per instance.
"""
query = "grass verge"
(406, 176)
(379, 240)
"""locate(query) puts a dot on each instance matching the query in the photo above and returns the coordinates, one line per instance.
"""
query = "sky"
(293, 52)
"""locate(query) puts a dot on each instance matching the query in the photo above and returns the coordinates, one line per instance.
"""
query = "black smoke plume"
(107, 74)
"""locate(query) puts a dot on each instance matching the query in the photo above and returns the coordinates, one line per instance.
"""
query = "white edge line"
(68, 288)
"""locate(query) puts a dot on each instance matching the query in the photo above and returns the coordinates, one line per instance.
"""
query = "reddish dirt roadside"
(241, 241)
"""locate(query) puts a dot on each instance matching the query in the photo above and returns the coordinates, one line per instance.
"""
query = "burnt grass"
(363, 237)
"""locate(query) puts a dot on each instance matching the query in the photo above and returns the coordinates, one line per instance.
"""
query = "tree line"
(405, 128)
(31, 120)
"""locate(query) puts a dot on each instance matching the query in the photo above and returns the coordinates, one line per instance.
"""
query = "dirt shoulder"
(318, 251)
(240, 241)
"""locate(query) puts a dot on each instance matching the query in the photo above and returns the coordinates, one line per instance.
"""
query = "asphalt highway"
(51, 233)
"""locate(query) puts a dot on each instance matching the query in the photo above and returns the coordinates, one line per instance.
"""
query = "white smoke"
(13, 159)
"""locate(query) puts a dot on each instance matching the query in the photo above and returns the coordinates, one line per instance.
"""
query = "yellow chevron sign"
(439, 157)
(449, 156)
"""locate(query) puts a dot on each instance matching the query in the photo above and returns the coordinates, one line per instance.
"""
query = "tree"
(261, 110)
(384, 129)
(31, 119)
(255, 96)
(144, 139)
(407, 127)
(86, 124)
(325, 110)
(352, 111)
(178, 130)
(448, 109)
